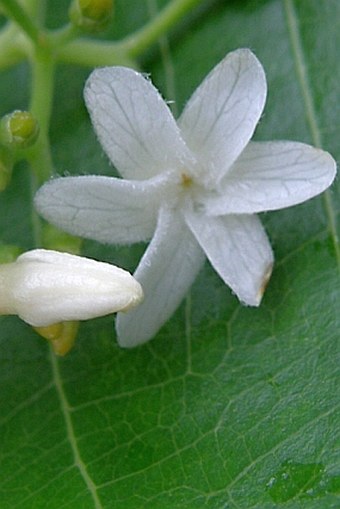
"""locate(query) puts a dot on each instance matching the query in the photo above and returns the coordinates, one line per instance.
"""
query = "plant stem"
(63, 35)
(43, 66)
(35, 219)
(164, 49)
(138, 42)
(42, 86)
(91, 53)
(14, 10)
(36, 9)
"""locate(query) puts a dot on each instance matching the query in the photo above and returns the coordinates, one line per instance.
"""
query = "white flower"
(46, 287)
(193, 187)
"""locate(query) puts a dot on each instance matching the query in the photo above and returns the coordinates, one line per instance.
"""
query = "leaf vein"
(310, 111)
(71, 436)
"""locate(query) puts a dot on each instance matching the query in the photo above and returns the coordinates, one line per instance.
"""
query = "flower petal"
(272, 175)
(105, 209)
(238, 249)
(133, 123)
(221, 116)
(166, 272)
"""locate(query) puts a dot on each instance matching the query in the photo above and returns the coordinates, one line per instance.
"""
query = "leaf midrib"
(70, 433)
(299, 59)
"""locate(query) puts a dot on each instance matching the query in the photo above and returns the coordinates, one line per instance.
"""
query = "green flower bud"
(6, 167)
(18, 129)
(91, 15)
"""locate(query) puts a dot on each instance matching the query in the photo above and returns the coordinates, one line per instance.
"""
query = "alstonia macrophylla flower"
(45, 287)
(192, 187)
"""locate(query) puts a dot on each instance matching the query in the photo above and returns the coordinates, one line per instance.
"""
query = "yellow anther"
(186, 180)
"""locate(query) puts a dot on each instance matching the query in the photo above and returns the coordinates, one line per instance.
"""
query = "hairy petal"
(166, 272)
(238, 249)
(105, 209)
(272, 175)
(133, 123)
(221, 116)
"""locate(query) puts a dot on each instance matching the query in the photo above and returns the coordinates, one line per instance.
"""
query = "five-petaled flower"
(193, 188)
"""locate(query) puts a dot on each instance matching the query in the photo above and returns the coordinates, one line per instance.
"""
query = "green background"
(228, 407)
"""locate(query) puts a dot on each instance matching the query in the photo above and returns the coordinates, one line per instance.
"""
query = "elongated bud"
(18, 129)
(47, 287)
(6, 167)
(91, 15)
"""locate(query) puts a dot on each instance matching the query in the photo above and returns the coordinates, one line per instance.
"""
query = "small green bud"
(18, 129)
(91, 15)
(6, 167)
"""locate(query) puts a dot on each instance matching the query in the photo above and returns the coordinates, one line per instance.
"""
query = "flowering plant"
(231, 406)
(194, 188)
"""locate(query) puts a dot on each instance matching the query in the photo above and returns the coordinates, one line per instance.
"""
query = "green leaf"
(228, 407)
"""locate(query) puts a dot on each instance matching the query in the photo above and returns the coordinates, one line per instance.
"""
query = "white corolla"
(45, 287)
(192, 187)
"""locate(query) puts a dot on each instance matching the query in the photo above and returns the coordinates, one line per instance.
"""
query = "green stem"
(36, 9)
(14, 10)
(43, 66)
(63, 35)
(91, 53)
(35, 219)
(138, 42)
(164, 49)
(39, 156)
(88, 53)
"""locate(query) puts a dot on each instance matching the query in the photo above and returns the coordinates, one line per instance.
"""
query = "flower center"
(186, 180)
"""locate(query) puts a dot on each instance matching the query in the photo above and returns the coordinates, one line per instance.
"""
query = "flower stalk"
(101, 53)
(18, 14)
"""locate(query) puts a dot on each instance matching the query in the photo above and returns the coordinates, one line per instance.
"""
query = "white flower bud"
(45, 287)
